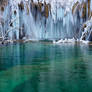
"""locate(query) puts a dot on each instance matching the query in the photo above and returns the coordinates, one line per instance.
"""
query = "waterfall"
(45, 19)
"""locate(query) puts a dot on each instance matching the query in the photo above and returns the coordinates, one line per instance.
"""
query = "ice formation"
(45, 19)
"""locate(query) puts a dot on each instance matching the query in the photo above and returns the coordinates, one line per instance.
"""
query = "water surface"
(46, 67)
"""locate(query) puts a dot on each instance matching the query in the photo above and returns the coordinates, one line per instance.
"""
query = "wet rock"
(74, 7)
(87, 31)
(21, 6)
(40, 5)
(15, 12)
(90, 37)
(11, 24)
(2, 22)
(91, 14)
(22, 32)
(27, 8)
(3, 2)
(1, 39)
(89, 8)
(41, 8)
(46, 10)
(84, 10)
(84, 26)
(2, 8)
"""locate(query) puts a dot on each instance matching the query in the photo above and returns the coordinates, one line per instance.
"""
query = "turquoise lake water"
(46, 67)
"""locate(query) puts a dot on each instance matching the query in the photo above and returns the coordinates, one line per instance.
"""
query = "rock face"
(49, 19)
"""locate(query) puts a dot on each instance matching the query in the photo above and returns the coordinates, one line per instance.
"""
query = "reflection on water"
(44, 67)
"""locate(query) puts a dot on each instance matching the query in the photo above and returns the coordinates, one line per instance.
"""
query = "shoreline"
(59, 42)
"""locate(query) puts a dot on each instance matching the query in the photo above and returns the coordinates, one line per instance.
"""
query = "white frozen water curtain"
(45, 19)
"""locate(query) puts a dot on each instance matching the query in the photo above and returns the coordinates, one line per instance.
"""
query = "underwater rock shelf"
(45, 19)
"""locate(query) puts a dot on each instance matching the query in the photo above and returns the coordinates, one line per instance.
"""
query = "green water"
(45, 67)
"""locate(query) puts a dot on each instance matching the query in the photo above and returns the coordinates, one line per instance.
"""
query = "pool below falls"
(46, 67)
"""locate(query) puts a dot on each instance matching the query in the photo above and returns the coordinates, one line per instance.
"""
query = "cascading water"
(49, 19)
